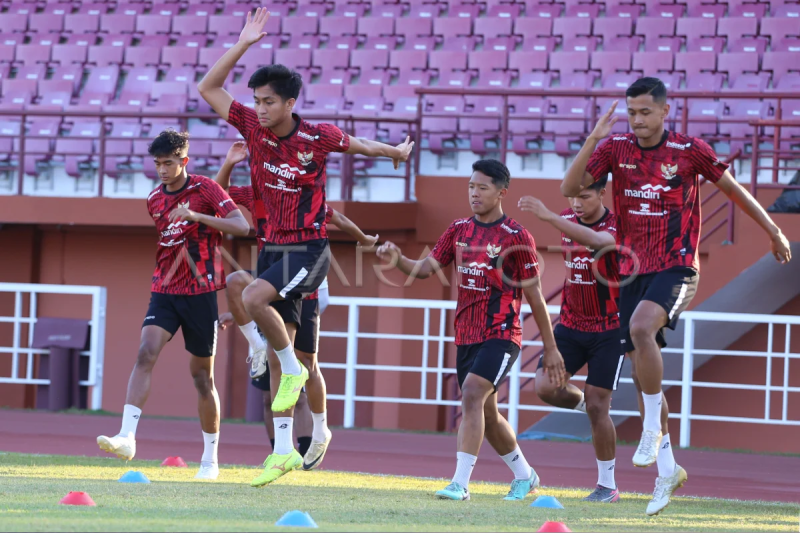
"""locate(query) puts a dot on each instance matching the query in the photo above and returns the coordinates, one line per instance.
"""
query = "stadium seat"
(94, 9)
(568, 62)
(609, 63)
(612, 27)
(32, 53)
(533, 8)
(777, 28)
(713, 11)
(748, 10)
(753, 45)
(13, 22)
(65, 54)
(652, 63)
(116, 23)
(511, 11)
(628, 11)
(102, 55)
(445, 61)
(530, 28)
(190, 24)
(488, 60)
(339, 25)
(744, 110)
(694, 62)
(568, 27)
(82, 23)
(734, 28)
(779, 63)
(524, 62)
(706, 109)
(408, 59)
(153, 24)
(46, 22)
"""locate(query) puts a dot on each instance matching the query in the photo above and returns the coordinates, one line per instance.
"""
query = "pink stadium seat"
(422, 42)
(542, 10)
(609, 63)
(31, 72)
(404, 60)
(120, 39)
(156, 41)
(577, 80)
(196, 41)
(704, 81)
(140, 79)
(409, 27)
(350, 10)
(330, 58)
(46, 22)
(182, 74)
(567, 131)
(179, 56)
(568, 27)
(82, 23)
(780, 63)
(500, 43)
(591, 11)
(293, 58)
(629, 11)
(525, 62)
(665, 10)
(69, 73)
(622, 44)
(488, 60)
(18, 8)
(540, 44)
(652, 63)
(655, 27)
(114, 24)
(166, 10)
(455, 78)
(736, 63)
(54, 98)
(102, 55)
(350, 42)
(375, 27)
(189, 24)
(237, 9)
(103, 80)
(388, 11)
(226, 24)
(752, 11)
(425, 11)
(737, 27)
(662, 44)
(130, 9)
(353, 93)
(744, 110)
(153, 24)
(618, 80)
(64, 54)
(322, 90)
(13, 22)
(159, 89)
(45, 39)
(715, 11)
(450, 27)
(752, 45)
(751, 82)
(313, 10)
(142, 56)
(369, 59)
(693, 27)
(95, 9)
(445, 61)
(568, 62)
(495, 78)
(12, 39)
(81, 39)
(580, 44)
(610, 27)
(695, 62)
(532, 27)
(490, 27)
(409, 79)
(299, 26)
(511, 11)
(706, 44)
(32, 53)
(778, 28)
(535, 80)
(787, 45)
(338, 25)
(464, 11)
(707, 109)
(789, 82)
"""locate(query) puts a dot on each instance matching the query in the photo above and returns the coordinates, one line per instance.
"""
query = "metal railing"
(438, 370)
(777, 152)
(19, 346)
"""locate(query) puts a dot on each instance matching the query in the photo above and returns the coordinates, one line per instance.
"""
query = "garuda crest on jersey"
(185, 204)
(668, 172)
(492, 251)
(305, 159)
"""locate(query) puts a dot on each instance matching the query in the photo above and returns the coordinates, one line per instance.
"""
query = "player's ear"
(185, 161)
(503, 193)
(290, 103)
(666, 110)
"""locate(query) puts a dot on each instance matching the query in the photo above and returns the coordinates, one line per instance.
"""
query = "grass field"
(32, 485)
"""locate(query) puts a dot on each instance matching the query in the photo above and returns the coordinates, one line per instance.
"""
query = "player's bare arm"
(596, 240)
(552, 361)
(422, 268)
(211, 86)
(397, 154)
(748, 204)
(349, 227)
(577, 178)
(233, 224)
(236, 154)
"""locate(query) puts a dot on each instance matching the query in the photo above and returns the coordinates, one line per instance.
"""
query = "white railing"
(97, 324)
(516, 375)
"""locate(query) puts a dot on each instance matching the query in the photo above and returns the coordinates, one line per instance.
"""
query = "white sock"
(289, 362)
(250, 332)
(581, 404)
(652, 411)
(605, 473)
(320, 432)
(665, 459)
(130, 419)
(283, 435)
(517, 463)
(211, 441)
(464, 465)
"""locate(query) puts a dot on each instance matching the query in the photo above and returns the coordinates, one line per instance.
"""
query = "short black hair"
(170, 143)
(496, 170)
(652, 86)
(285, 82)
(599, 184)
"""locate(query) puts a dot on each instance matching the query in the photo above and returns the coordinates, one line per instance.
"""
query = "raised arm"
(369, 148)
(577, 178)
(236, 154)
(422, 268)
(552, 361)
(211, 86)
(234, 222)
(596, 240)
(748, 204)
(349, 227)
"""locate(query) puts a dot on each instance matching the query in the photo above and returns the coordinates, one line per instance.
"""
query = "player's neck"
(653, 140)
(177, 184)
(285, 128)
(492, 216)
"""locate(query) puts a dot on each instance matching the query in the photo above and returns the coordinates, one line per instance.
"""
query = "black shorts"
(295, 270)
(306, 339)
(196, 315)
(491, 359)
(601, 351)
(672, 289)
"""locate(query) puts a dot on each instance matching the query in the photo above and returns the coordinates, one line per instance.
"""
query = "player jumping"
(496, 263)
(288, 174)
(588, 332)
(657, 204)
(190, 212)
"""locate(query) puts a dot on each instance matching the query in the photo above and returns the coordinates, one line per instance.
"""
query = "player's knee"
(547, 394)
(597, 407)
(641, 332)
(238, 281)
(147, 357)
(472, 399)
(203, 382)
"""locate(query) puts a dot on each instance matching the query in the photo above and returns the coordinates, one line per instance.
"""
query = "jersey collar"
(489, 224)
(596, 222)
(165, 191)
(297, 122)
(664, 137)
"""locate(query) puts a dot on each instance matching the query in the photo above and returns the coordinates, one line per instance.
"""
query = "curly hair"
(170, 143)
(496, 170)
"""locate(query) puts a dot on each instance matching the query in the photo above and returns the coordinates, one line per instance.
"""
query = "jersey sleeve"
(242, 196)
(328, 214)
(444, 251)
(611, 225)
(332, 139)
(524, 264)
(705, 161)
(242, 118)
(599, 164)
(218, 199)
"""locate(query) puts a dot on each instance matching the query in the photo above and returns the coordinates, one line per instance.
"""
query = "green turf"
(31, 486)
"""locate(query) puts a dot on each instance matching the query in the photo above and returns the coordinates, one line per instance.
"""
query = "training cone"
(547, 502)
(132, 476)
(77, 498)
(174, 461)
(296, 519)
(554, 527)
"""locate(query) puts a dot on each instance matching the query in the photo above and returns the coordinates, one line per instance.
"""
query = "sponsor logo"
(470, 271)
(683, 252)
(530, 265)
(185, 204)
(269, 142)
(492, 251)
(516, 456)
(341, 143)
(503, 225)
(171, 243)
(581, 263)
(644, 210)
(175, 228)
(156, 216)
(627, 166)
(568, 216)
(459, 222)
(316, 225)
(578, 280)
(284, 171)
(306, 136)
(223, 202)
(668, 172)
(305, 159)
(463, 244)
(153, 194)
(281, 186)
(648, 192)
(619, 138)
(199, 183)
(136, 417)
(471, 286)
(566, 239)
(151, 317)
(677, 146)
(283, 426)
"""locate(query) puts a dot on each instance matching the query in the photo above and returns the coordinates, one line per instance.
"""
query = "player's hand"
(535, 206)
(225, 320)
(405, 151)
(553, 365)
(254, 27)
(388, 251)
(781, 249)
(369, 241)
(237, 153)
(183, 214)
(606, 122)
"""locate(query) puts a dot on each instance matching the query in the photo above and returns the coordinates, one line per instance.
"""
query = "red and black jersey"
(288, 174)
(656, 198)
(188, 260)
(591, 288)
(491, 261)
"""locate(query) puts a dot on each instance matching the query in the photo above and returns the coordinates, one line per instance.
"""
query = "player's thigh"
(199, 320)
(306, 341)
(494, 360)
(571, 344)
(673, 290)
(607, 360)
(300, 269)
(161, 322)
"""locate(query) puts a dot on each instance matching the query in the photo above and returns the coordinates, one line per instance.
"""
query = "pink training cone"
(77, 498)
(555, 527)
(174, 461)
